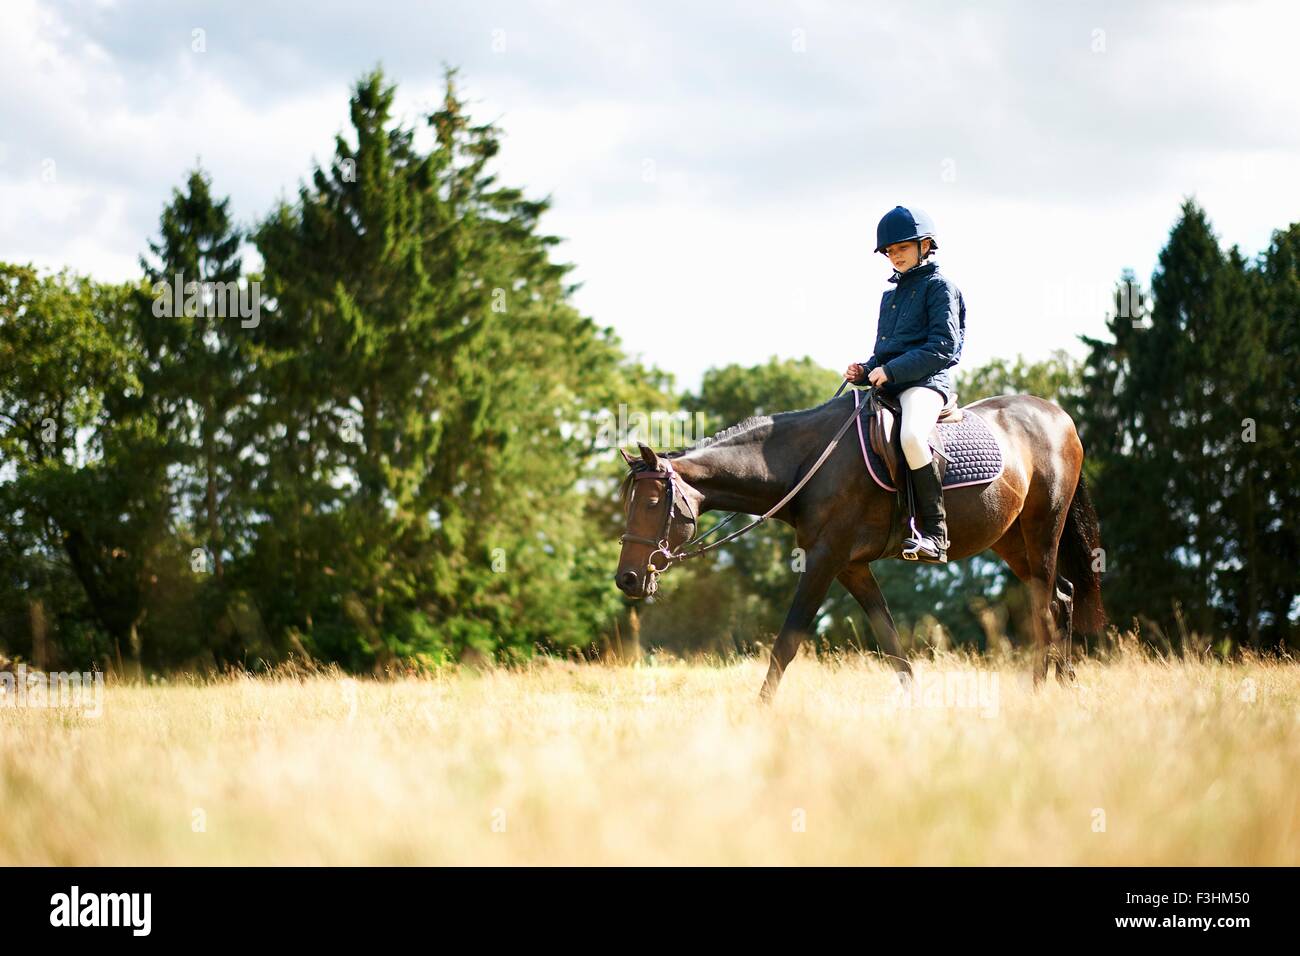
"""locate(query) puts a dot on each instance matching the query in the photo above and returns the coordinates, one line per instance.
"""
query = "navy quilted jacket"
(922, 325)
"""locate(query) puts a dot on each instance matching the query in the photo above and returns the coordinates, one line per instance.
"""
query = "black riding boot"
(931, 544)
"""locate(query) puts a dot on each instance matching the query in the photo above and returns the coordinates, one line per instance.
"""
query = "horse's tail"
(1076, 561)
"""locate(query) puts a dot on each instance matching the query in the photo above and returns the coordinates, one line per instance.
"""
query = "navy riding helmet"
(901, 224)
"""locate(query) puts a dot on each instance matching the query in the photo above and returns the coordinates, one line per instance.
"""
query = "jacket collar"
(920, 269)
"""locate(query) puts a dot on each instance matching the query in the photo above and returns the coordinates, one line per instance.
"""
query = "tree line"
(396, 459)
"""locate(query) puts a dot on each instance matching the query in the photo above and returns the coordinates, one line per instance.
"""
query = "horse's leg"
(814, 582)
(1011, 549)
(1065, 626)
(1042, 520)
(861, 583)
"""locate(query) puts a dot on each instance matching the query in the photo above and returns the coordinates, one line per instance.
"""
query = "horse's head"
(662, 514)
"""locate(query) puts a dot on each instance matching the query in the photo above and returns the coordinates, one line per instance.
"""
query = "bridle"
(672, 480)
(666, 472)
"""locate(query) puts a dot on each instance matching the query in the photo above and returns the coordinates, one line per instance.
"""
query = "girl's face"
(904, 255)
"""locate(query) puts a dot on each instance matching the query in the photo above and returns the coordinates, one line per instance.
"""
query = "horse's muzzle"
(637, 586)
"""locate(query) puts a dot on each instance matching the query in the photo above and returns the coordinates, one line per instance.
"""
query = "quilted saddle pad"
(970, 451)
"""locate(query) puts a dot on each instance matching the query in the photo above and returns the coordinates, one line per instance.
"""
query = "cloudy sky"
(717, 169)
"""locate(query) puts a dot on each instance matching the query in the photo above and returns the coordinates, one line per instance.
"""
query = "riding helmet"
(901, 224)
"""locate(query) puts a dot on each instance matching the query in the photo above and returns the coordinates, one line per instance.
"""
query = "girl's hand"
(853, 372)
(878, 376)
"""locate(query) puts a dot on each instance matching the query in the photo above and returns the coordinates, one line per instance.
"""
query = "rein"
(670, 476)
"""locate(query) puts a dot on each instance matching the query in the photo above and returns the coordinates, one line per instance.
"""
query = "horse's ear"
(648, 455)
(626, 457)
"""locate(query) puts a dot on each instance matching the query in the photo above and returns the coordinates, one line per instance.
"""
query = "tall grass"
(1146, 761)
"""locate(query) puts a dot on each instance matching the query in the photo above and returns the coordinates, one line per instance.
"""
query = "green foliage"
(397, 460)
(86, 462)
(426, 368)
(406, 456)
(1184, 415)
(1057, 378)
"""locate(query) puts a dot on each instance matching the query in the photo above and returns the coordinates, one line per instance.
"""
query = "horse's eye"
(653, 502)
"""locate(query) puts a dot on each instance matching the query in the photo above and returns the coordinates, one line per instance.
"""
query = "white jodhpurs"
(921, 408)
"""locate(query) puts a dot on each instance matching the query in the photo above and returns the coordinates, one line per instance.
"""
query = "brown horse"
(1036, 516)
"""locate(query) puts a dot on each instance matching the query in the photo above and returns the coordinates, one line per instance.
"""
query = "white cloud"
(1049, 165)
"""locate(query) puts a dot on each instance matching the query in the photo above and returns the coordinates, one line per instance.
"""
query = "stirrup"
(925, 550)
(922, 545)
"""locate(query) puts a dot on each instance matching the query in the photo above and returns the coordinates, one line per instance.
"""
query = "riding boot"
(929, 540)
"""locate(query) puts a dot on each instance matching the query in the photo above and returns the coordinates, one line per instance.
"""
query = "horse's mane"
(753, 421)
(741, 427)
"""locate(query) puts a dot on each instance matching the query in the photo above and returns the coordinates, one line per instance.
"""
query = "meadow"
(1145, 761)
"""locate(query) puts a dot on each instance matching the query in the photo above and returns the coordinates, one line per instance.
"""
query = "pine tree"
(1143, 422)
(425, 371)
(1183, 413)
(197, 359)
(1273, 406)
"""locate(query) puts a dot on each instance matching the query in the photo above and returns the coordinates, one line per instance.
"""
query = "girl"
(919, 338)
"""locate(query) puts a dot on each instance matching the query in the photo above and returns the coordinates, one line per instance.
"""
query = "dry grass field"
(1144, 762)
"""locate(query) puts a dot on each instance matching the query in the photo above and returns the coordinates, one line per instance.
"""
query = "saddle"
(884, 418)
